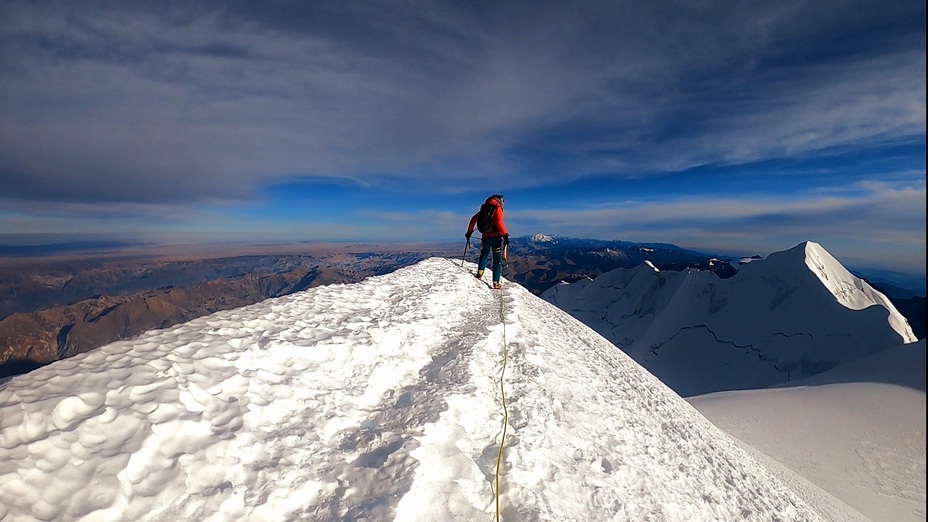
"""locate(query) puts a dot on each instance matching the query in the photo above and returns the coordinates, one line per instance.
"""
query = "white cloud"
(132, 100)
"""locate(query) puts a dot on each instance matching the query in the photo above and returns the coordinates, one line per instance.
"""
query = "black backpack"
(486, 218)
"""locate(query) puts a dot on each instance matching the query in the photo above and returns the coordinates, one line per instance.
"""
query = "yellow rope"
(502, 389)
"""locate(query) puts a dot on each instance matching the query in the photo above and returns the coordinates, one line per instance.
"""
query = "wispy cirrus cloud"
(163, 101)
(155, 110)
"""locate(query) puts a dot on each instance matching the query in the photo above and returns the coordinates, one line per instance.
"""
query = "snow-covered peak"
(380, 400)
(543, 238)
(847, 289)
(793, 314)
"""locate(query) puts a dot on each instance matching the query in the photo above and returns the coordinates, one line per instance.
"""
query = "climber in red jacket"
(494, 236)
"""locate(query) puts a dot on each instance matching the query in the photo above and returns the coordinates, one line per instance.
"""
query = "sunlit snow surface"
(373, 401)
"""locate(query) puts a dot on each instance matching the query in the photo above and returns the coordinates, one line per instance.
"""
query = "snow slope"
(857, 431)
(374, 401)
(797, 313)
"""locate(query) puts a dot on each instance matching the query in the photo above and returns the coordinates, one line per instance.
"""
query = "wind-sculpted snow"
(373, 401)
(797, 313)
(850, 290)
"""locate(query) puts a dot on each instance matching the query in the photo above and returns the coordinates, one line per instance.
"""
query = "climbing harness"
(502, 390)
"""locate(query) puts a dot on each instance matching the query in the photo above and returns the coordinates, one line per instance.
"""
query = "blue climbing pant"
(494, 245)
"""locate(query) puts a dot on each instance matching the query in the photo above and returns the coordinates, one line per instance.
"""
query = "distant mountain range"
(44, 249)
(52, 308)
(796, 313)
(540, 261)
(598, 254)
(55, 309)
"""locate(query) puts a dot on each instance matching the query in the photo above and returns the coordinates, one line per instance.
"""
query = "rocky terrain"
(55, 308)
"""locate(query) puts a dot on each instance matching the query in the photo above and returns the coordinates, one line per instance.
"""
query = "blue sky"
(729, 127)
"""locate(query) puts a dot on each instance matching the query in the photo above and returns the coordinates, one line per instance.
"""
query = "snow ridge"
(374, 400)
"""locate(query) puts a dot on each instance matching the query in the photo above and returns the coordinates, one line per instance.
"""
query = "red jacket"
(500, 229)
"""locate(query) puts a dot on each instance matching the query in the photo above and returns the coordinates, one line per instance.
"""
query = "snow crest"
(373, 401)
